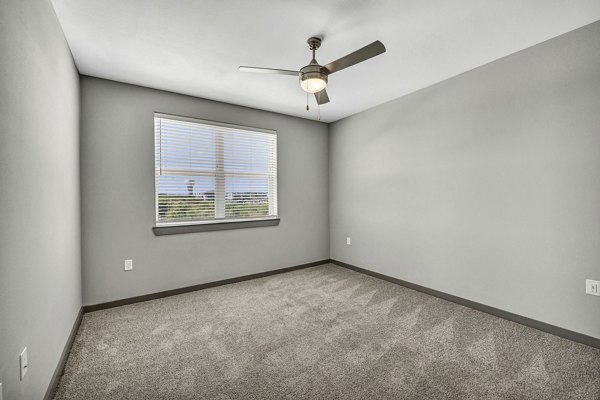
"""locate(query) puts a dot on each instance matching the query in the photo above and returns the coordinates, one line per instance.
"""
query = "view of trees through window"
(174, 207)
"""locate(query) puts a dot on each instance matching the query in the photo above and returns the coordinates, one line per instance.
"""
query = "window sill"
(213, 226)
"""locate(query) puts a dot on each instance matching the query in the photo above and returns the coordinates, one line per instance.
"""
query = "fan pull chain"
(307, 102)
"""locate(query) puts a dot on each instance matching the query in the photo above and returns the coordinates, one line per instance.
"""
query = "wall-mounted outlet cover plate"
(348, 241)
(128, 265)
(592, 287)
(23, 363)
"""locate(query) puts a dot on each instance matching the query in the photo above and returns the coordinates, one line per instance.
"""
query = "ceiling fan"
(314, 77)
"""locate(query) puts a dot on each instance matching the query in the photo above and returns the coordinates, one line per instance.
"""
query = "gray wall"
(40, 257)
(117, 174)
(484, 186)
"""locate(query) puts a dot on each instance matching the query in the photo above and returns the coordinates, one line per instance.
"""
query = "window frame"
(162, 228)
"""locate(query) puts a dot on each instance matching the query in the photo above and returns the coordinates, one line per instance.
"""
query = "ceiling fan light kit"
(314, 77)
(312, 81)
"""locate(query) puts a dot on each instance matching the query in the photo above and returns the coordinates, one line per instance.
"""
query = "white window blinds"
(212, 172)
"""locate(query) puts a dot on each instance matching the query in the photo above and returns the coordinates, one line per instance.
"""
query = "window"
(207, 172)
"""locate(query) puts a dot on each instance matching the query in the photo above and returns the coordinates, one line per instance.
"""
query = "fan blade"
(322, 97)
(371, 50)
(268, 70)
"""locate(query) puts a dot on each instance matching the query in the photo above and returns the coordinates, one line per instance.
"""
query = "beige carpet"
(319, 333)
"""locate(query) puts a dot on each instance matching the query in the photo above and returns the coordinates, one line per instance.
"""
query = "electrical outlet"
(348, 241)
(592, 287)
(23, 362)
(128, 265)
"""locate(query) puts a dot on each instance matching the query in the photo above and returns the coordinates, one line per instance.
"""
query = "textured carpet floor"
(319, 333)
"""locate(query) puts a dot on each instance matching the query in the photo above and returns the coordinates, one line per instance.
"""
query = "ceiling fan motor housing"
(313, 77)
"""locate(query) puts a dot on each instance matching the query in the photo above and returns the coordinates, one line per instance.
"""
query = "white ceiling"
(195, 46)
